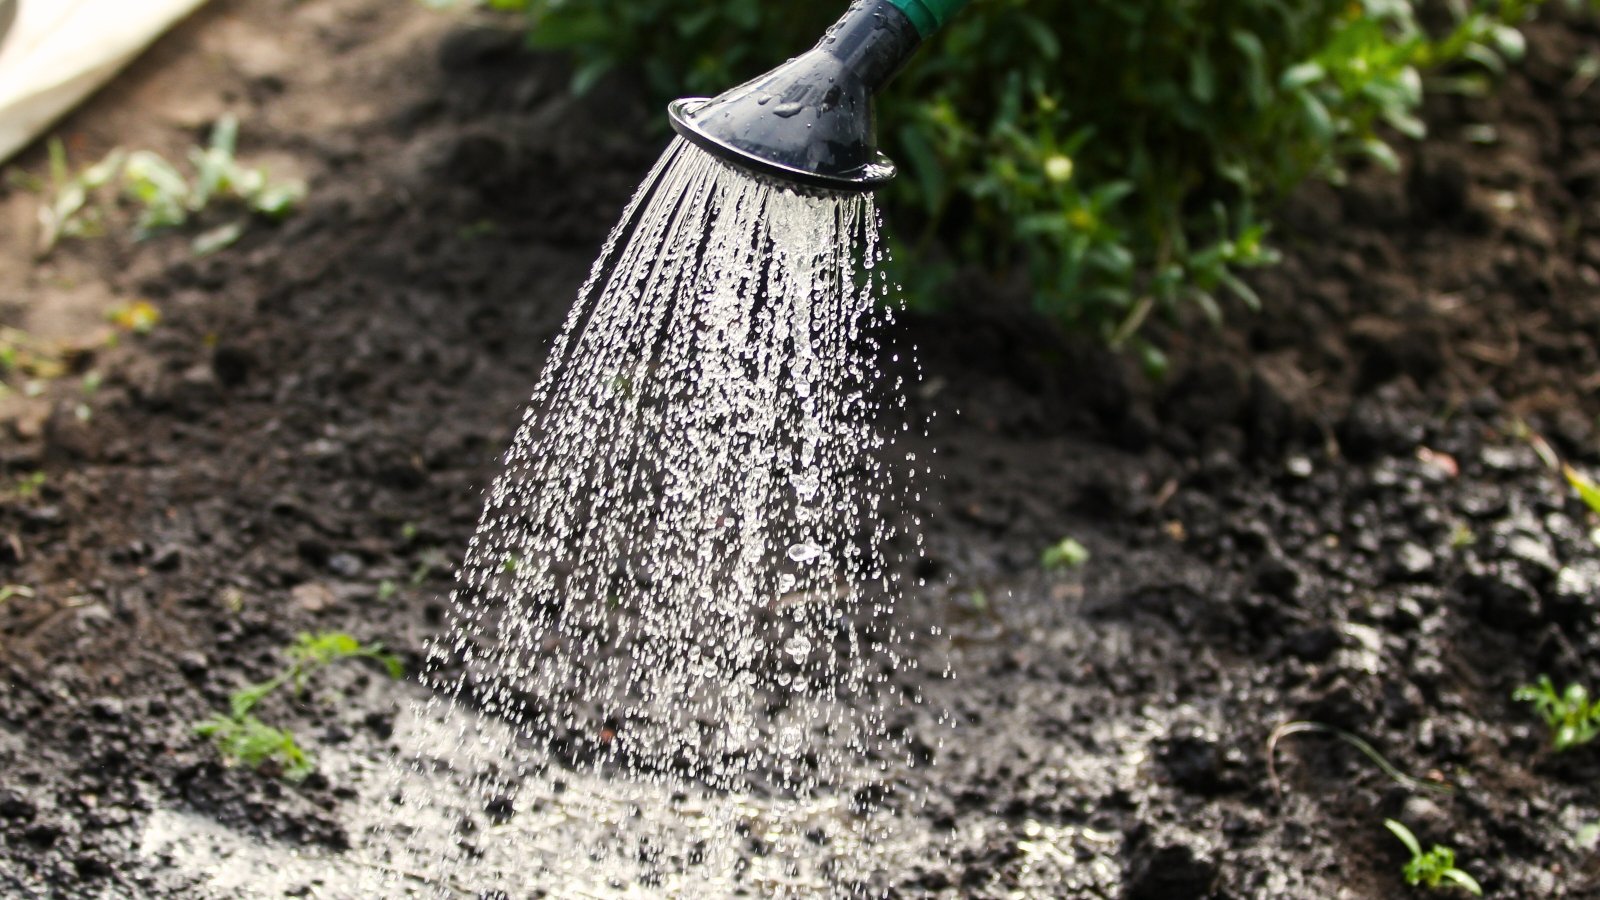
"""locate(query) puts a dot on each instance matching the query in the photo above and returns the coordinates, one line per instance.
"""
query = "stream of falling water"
(667, 668)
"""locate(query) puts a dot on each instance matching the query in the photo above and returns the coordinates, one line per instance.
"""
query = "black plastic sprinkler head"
(809, 121)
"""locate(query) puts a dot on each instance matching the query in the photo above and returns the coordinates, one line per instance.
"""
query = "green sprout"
(164, 196)
(29, 359)
(311, 652)
(139, 316)
(1585, 486)
(66, 211)
(28, 485)
(252, 742)
(168, 199)
(1067, 554)
(1435, 868)
(241, 737)
(1573, 718)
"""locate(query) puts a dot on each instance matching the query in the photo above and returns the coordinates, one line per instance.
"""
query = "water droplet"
(785, 583)
(805, 484)
(798, 647)
(785, 110)
(789, 740)
(805, 551)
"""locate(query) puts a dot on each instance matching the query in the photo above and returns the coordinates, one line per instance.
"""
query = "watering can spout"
(810, 120)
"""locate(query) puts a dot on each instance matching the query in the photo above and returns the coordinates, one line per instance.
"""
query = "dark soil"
(1334, 511)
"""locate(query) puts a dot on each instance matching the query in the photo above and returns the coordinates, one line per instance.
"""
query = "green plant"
(164, 197)
(1124, 155)
(167, 199)
(241, 737)
(1574, 719)
(139, 317)
(66, 210)
(28, 485)
(22, 354)
(1065, 554)
(1436, 868)
(1587, 490)
(250, 741)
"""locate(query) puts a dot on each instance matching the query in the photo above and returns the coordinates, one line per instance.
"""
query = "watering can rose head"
(810, 120)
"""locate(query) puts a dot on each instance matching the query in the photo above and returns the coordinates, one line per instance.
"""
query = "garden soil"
(1338, 510)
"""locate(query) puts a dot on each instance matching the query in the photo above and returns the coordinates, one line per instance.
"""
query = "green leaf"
(1255, 70)
(249, 741)
(589, 74)
(1587, 490)
(1404, 834)
(1066, 554)
(924, 165)
(1382, 153)
(277, 201)
(209, 242)
(1297, 77)
(1240, 289)
(1202, 78)
(1510, 42)
(1462, 879)
(1044, 40)
(1407, 124)
(246, 698)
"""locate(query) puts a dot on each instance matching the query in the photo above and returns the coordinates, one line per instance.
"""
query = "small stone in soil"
(192, 663)
(345, 565)
(1412, 562)
(15, 806)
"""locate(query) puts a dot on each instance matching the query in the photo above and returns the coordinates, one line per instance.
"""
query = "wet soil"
(1340, 510)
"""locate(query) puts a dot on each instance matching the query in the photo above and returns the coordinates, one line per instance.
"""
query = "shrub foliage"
(1124, 154)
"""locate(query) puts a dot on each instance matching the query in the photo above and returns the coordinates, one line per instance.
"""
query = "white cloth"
(60, 51)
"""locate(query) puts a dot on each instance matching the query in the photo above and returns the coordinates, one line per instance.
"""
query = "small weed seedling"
(254, 743)
(164, 196)
(1573, 718)
(29, 485)
(1068, 554)
(1436, 868)
(167, 199)
(66, 210)
(242, 738)
(1585, 486)
(26, 358)
(138, 317)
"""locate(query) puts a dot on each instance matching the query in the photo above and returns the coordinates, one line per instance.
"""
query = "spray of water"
(668, 659)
